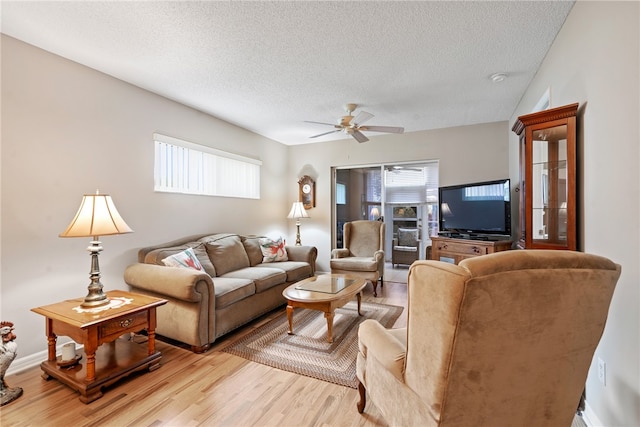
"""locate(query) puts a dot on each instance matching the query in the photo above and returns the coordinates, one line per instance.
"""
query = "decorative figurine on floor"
(8, 352)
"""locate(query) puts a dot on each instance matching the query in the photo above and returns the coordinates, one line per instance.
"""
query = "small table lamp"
(97, 216)
(298, 211)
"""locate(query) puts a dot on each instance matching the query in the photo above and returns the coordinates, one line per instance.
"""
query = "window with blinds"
(486, 192)
(406, 184)
(341, 194)
(185, 167)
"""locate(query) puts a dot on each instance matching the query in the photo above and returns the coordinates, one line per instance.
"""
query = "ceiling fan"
(353, 125)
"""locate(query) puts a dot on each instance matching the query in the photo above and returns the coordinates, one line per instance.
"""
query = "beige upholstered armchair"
(406, 247)
(500, 340)
(362, 254)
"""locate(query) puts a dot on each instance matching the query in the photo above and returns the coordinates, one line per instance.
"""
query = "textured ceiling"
(269, 66)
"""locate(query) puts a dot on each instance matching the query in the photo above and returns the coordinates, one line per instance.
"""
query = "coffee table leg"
(329, 316)
(359, 297)
(290, 318)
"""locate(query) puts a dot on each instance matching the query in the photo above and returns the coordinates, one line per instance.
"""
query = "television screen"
(476, 209)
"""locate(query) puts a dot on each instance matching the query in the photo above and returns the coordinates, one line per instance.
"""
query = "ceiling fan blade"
(321, 123)
(362, 117)
(387, 129)
(359, 136)
(325, 133)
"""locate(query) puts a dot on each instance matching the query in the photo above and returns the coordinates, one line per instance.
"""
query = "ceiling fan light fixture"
(498, 77)
(350, 108)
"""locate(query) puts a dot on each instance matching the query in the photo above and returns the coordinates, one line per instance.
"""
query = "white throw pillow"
(184, 259)
(273, 250)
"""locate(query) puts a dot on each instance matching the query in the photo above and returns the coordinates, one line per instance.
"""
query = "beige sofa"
(235, 287)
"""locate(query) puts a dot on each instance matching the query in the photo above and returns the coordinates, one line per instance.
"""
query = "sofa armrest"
(181, 283)
(307, 254)
(339, 253)
(375, 341)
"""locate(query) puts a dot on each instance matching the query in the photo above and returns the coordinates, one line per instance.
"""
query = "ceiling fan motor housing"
(346, 120)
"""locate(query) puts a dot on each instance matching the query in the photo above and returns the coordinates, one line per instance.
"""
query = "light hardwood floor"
(211, 389)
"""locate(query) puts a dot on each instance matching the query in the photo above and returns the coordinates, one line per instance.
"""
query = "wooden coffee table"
(325, 293)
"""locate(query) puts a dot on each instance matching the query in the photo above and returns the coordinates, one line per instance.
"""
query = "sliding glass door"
(401, 195)
(358, 195)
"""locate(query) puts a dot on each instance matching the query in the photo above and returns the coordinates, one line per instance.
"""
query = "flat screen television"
(475, 210)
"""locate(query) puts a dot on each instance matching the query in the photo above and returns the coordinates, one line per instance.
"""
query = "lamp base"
(95, 299)
(298, 242)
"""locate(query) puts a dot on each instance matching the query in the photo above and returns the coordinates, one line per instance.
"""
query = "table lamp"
(298, 211)
(375, 213)
(97, 216)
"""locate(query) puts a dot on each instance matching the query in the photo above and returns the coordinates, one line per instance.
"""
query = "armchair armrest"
(181, 283)
(303, 253)
(375, 341)
(339, 253)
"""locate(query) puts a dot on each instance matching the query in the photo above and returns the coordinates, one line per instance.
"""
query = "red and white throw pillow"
(184, 259)
(273, 250)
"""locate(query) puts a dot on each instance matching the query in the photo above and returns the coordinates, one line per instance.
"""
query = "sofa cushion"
(405, 248)
(295, 270)
(408, 236)
(354, 264)
(230, 290)
(156, 256)
(263, 277)
(252, 246)
(184, 259)
(227, 253)
(273, 250)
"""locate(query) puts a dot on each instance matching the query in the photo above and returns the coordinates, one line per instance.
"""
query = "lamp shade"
(97, 216)
(446, 210)
(298, 211)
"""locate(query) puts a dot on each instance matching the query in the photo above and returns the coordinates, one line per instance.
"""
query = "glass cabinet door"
(549, 185)
(548, 179)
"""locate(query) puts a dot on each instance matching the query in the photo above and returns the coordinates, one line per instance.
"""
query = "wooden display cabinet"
(548, 179)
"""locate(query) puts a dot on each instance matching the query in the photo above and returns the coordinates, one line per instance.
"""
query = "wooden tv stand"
(454, 250)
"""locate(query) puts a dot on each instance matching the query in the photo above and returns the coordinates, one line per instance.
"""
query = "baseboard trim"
(23, 363)
(590, 418)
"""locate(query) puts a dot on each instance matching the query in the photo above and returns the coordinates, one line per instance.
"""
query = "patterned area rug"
(308, 352)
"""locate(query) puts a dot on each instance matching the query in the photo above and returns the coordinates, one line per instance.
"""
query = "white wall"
(467, 154)
(68, 130)
(594, 61)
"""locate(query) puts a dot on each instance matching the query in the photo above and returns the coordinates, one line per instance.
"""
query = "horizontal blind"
(486, 192)
(412, 184)
(185, 167)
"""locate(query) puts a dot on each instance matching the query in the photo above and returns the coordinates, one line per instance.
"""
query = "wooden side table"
(101, 365)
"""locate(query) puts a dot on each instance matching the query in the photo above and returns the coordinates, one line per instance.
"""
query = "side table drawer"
(124, 324)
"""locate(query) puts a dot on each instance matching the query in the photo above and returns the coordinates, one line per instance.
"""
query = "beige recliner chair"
(501, 340)
(362, 254)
